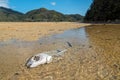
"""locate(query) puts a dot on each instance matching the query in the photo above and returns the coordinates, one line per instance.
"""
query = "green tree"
(103, 11)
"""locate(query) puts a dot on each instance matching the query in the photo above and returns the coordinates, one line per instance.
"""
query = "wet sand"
(95, 55)
(30, 31)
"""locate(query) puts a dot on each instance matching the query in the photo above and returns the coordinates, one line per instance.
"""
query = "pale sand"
(30, 31)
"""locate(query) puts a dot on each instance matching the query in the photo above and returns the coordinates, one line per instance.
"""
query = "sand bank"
(30, 31)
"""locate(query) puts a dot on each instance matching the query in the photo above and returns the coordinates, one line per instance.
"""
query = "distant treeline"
(103, 11)
(42, 14)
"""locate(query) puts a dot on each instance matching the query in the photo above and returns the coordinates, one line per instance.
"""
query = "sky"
(63, 6)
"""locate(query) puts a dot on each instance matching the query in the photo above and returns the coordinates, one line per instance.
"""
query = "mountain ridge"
(7, 14)
(37, 15)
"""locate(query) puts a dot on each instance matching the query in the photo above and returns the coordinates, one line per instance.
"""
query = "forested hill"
(10, 15)
(103, 11)
(37, 15)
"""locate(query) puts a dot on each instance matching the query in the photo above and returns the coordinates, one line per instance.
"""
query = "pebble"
(16, 74)
(90, 46)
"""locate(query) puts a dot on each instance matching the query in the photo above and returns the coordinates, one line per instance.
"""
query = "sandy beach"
(94, 55)
(31, 31)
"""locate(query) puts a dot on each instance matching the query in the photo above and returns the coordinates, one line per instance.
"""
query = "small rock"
(40, 43)
(16, 74)
(90, 46)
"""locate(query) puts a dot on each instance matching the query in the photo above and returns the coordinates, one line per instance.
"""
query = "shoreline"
(30, 31)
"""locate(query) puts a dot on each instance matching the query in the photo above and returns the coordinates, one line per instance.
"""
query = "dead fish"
(43, 58)
(38, 59)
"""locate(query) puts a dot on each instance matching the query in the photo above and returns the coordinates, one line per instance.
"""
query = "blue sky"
(63, 6)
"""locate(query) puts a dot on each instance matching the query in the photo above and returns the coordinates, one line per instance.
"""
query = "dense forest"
(103, 11)
(37, 15)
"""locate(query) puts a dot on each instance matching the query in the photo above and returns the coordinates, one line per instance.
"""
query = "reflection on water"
(104, 42)
(74, 36)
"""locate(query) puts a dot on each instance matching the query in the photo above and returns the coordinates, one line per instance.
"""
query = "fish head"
(32, 61)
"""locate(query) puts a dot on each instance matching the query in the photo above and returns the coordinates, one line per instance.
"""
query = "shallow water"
(100, 44)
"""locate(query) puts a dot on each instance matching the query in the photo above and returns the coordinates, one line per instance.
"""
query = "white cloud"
(53, 3)
(4, 3)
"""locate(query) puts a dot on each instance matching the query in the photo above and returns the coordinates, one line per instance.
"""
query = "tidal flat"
(94, 55)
